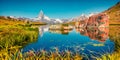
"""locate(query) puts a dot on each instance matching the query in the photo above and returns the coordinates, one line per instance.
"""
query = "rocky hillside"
(114, 14)
(97, 20)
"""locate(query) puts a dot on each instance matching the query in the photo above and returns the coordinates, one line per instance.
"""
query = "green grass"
(15, 35)
(114, 14)
(114, 56)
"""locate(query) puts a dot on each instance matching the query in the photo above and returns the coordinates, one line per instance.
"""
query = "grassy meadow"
(114, 14)
(14, 35)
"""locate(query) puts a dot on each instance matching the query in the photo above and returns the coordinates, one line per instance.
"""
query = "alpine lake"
(89, 43)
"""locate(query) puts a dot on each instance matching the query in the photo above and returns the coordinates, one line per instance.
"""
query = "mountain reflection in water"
(87, 42)
(100, 34)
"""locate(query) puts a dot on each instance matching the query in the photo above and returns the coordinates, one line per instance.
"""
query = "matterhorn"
(43, 18)
(41, 15)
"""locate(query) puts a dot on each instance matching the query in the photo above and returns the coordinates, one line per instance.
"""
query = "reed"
(40, 55)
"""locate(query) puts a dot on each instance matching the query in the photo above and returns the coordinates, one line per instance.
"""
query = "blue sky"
(53, 8)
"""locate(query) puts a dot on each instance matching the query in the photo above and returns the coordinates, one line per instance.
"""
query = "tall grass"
(13, 36)
(40, 55)
(114, 56)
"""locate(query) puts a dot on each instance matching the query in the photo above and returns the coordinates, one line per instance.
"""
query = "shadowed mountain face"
(100, 34)
(114, 13)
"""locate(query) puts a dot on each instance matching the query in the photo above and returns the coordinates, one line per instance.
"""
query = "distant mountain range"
(114, 14)
(15, 18)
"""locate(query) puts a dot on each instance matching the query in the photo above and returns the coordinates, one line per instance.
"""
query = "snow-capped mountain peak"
(91, 14)
(41, 15)
(43, 18)
(47, 18)
(58, 20)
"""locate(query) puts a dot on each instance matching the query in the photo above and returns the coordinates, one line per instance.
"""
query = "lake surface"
(86, 42)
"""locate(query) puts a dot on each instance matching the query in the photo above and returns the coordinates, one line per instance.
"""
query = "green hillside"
(114, 14)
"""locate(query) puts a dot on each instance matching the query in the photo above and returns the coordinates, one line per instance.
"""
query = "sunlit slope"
(114, 14)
